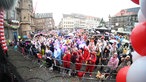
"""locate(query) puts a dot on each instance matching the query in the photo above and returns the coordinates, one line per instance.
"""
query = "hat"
(127, 56)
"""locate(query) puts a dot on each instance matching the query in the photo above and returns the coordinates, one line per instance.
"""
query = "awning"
(14, 27)
(6, 24)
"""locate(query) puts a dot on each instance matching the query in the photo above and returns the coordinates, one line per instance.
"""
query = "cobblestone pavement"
(31, 71)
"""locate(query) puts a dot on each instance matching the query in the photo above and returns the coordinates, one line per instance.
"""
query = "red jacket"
(66, 60)
(92, 58)
(74, 57)
(79, 61)
(86, 54)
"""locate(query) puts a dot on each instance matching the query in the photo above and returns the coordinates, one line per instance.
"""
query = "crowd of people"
(78, 48)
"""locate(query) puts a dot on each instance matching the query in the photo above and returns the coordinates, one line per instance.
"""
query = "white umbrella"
(82, 45)
(71, 34)
(107, 33)
(114, 41)
(125, 41)
(98, 32)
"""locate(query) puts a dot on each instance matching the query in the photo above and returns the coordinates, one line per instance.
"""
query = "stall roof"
(102, 28)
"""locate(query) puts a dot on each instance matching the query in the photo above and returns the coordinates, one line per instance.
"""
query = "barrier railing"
(26, 52)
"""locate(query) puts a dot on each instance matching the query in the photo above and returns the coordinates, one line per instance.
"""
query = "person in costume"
(91, 62)
(86, 53)
(79, 60)
(67, 60)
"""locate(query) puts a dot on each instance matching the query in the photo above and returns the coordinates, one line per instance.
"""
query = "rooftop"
(44, 15)
(129, 11)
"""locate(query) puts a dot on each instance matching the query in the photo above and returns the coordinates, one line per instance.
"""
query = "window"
(133, 18)
(13, 14)
(18, 16)
(50, 19)
(29, 6)
(125, 18)
(50, 22)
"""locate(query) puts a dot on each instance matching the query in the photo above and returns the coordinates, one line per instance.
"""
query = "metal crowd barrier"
(93, 73)
(83, 79)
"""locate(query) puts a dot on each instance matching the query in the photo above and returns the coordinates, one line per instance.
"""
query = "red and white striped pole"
(2, 34)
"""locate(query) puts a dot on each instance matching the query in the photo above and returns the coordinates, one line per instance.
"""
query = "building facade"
(72, 21)
(19, 20)
(26, 16)
(92, 22)
(125, 19)
(44, 21)
(12, 22)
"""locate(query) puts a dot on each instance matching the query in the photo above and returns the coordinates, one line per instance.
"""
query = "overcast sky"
(97, 8)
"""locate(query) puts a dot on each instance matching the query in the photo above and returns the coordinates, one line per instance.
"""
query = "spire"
(109, 16)
(102, 22)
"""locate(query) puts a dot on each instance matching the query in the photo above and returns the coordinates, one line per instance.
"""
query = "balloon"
(136, 1)
(141, 17)
(137, 71)
(138, 39)
(135, 56)
(122, 73)
(143, 7)
(80, 74)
